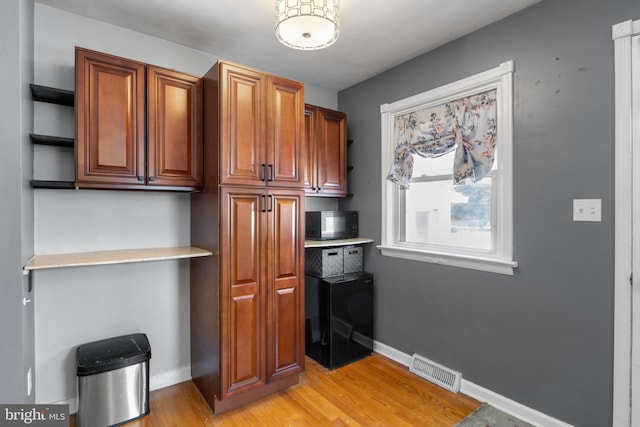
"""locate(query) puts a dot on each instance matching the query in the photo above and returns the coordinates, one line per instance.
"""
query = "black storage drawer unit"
(339, 318)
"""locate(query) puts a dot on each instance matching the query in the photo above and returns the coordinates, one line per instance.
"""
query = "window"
(447, 174)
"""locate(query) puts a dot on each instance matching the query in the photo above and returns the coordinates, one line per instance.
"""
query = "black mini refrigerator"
(339, 318)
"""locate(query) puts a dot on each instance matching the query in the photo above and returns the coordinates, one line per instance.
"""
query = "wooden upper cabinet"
(243, 119)
(261, 128)
(326, 150)
(174, 128)
(332, 152)
(285, 132)
(110, 119)
(137, 126)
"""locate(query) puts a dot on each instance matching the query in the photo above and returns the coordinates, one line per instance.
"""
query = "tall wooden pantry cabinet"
(247, 301)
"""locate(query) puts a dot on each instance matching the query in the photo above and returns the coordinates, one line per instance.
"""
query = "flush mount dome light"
(307, 24)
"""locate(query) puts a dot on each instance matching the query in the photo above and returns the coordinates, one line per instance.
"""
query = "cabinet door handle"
(270, 208)
(263, 203)
(270, 172)
(264, 172)
(140, 178)
(152, 178)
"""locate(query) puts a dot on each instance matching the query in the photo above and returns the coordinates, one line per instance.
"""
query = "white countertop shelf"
(39, 262)
(340, 242)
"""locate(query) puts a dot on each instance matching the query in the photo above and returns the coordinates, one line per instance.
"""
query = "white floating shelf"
(39, 262)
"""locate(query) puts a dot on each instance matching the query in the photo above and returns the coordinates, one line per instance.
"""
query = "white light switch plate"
(587, 210)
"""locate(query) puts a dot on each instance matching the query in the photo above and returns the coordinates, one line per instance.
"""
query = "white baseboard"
(157, 381)
(482, 394)
(392, 353)
(169, 378)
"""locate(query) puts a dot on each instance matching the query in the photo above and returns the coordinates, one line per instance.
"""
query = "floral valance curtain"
(466, 125)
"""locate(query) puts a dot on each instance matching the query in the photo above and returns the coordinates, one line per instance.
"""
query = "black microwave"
(331, 225)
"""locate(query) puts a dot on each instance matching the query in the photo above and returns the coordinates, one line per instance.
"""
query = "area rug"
(488, 416)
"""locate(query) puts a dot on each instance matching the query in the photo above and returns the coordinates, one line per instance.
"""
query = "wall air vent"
(436, 373)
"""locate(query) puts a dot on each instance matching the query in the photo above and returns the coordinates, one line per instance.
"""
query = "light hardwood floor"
(374, 391)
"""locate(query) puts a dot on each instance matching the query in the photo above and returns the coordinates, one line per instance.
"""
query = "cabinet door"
(242, 110)
(286, 283)
(331, 146)
(242, 293)
(110, 119)
(310, 161)
(285, 153)
(174, 128)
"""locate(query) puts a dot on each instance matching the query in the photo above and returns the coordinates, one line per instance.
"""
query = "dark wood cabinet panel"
(174, 128)
(285, 133)
(246, 365)
(242, 116)
(137, 126)
(326, 148)
(332, 149)
(242, 290)
(286, 283)
(110, 119)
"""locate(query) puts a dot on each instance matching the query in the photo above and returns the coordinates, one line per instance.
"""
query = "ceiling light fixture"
(307, 24)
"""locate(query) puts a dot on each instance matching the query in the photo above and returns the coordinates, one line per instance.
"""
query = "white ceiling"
(375, 35)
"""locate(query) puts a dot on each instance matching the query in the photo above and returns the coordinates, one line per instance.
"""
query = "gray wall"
(77, 305)
(16, 209)
(543, 337)
(82, 304)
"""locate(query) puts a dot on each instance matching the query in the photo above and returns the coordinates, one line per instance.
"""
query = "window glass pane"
(442, 165)
(443, 214)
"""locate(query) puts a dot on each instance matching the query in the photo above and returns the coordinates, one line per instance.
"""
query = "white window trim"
(501, 261)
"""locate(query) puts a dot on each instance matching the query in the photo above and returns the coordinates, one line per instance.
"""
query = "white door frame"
(624, 142)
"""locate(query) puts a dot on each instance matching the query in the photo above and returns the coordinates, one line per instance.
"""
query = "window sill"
(491, 265)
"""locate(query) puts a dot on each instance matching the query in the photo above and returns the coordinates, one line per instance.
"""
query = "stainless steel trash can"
(113, 380)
